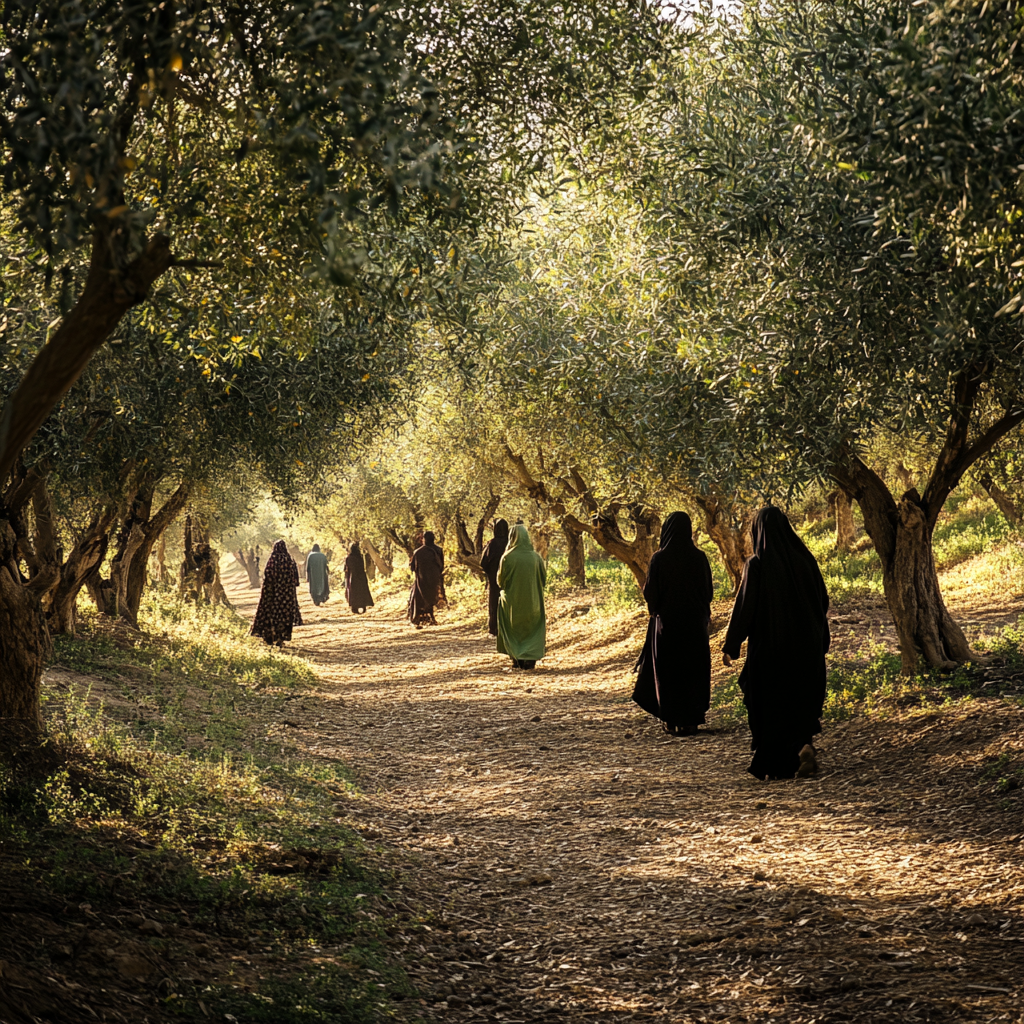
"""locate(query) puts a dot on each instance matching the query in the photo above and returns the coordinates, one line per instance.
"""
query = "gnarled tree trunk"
(24, 647)
(902, 535)
(1002, 500)
(83, 560)
(603, 525)
(465, 552)
(925, 627)
(902, 531)
(729, 528)
(130, 568)
(576, 554)
(247, 560)
(376, 556)
(842, 508)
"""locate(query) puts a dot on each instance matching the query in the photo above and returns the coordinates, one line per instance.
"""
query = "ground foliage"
(184, 861)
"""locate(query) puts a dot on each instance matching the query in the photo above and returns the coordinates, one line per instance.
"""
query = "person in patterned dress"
(278, 609)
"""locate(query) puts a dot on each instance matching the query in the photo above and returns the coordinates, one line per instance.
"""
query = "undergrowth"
(873, 683)
(163, 789)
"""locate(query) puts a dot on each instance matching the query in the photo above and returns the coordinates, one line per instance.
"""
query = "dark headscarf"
(354, 550)
(678, 559)
(789, 571)
(316, 547)
(279, 561)
(490, 558)
(677, 536)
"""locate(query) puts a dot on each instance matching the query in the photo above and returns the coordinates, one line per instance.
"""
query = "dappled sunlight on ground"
(581, 865)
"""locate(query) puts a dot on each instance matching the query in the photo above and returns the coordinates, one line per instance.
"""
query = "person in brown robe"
(427, 563)
(278, 610)
(357, 586)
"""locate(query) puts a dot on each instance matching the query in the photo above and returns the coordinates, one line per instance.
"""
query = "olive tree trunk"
(846, 529)
(603, 518)
(247, 560)
(576, 553)
(376, 557)
(902, 531)
(729, 529)
(83, 560)
(1002, 500)
(24, 647)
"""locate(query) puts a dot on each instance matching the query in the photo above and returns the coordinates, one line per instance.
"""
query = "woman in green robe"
(522, 627)
(317, 575)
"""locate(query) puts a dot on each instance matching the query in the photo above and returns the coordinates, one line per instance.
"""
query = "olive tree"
(273, 143)
(842, 188)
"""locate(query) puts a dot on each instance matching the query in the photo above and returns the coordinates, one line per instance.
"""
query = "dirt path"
(581, 865)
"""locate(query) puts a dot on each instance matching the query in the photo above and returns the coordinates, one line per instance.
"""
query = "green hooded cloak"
(522, 626)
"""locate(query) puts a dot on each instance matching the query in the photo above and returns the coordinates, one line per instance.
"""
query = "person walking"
(278, 610)
(674, 667)
(427, 564)
(522, 626)
(490, 560)
(781, 610)
(357, 586)
(317, 574)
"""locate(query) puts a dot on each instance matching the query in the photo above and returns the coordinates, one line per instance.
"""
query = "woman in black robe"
(674, 681)
(357, 586)
(490, 560)
(427, 592)
(781, 611)
(278, 609)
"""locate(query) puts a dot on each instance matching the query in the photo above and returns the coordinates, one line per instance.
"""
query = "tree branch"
(950, 468)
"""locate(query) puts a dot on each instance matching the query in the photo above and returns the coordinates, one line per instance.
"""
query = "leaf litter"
(575, 863)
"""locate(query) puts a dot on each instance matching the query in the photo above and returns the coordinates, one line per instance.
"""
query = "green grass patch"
(874, 683)
(969, 525)
(177, 794)
(727, 704)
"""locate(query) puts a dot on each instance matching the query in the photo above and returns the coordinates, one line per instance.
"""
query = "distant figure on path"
(357, 586)
(674, 681)
(490, 560)
(317, 575)
(427, 592)
(781, 610)
(278, 609)
(522, 626)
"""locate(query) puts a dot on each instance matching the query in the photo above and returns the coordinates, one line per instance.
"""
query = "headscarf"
(316, 547)
(518, 540)
(354, 550)
(776, 542)
(791, 582)
(501, 530)
(677, 549)
(279, 560)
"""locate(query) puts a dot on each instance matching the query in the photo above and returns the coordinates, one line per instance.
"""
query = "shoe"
(808, 762)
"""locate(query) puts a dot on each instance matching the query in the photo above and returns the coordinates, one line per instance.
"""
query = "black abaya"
(357, 586)
(490, 560)
(428, 586)
(782, 612)
(674, 680)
